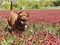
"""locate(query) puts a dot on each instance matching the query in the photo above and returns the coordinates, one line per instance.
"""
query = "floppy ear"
(27, 15)
(19, 13)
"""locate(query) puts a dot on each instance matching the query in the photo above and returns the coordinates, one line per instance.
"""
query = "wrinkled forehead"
(23, 14)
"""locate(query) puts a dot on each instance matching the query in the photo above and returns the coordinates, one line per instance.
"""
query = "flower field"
(45, 15)
(43, 28)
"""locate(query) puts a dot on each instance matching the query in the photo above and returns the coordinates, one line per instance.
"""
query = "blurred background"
(30, 4)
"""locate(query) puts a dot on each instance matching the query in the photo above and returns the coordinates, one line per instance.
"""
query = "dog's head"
(23, 17)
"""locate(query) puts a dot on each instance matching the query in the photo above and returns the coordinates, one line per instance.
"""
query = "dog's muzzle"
(23, 22)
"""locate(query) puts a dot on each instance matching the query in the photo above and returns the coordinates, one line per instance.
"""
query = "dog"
(17, 21)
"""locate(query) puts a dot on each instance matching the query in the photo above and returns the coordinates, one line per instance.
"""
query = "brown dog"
(17, 21)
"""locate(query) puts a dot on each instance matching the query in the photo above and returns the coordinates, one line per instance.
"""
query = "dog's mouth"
(23, 22)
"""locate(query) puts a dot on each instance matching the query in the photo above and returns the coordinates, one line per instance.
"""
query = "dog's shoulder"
(13, 14)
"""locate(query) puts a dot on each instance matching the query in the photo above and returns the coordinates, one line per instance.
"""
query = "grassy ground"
(35, 34)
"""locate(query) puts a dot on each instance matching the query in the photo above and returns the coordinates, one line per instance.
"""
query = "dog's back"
(12, 18)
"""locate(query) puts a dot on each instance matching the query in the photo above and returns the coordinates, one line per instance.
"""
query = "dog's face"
(23, 17)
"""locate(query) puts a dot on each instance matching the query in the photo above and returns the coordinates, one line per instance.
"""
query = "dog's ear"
(19, 13)
(27, 15)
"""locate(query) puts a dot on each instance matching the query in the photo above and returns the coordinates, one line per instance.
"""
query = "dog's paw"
(26, 26)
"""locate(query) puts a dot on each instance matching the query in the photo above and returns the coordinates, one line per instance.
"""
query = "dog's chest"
(18, 25)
